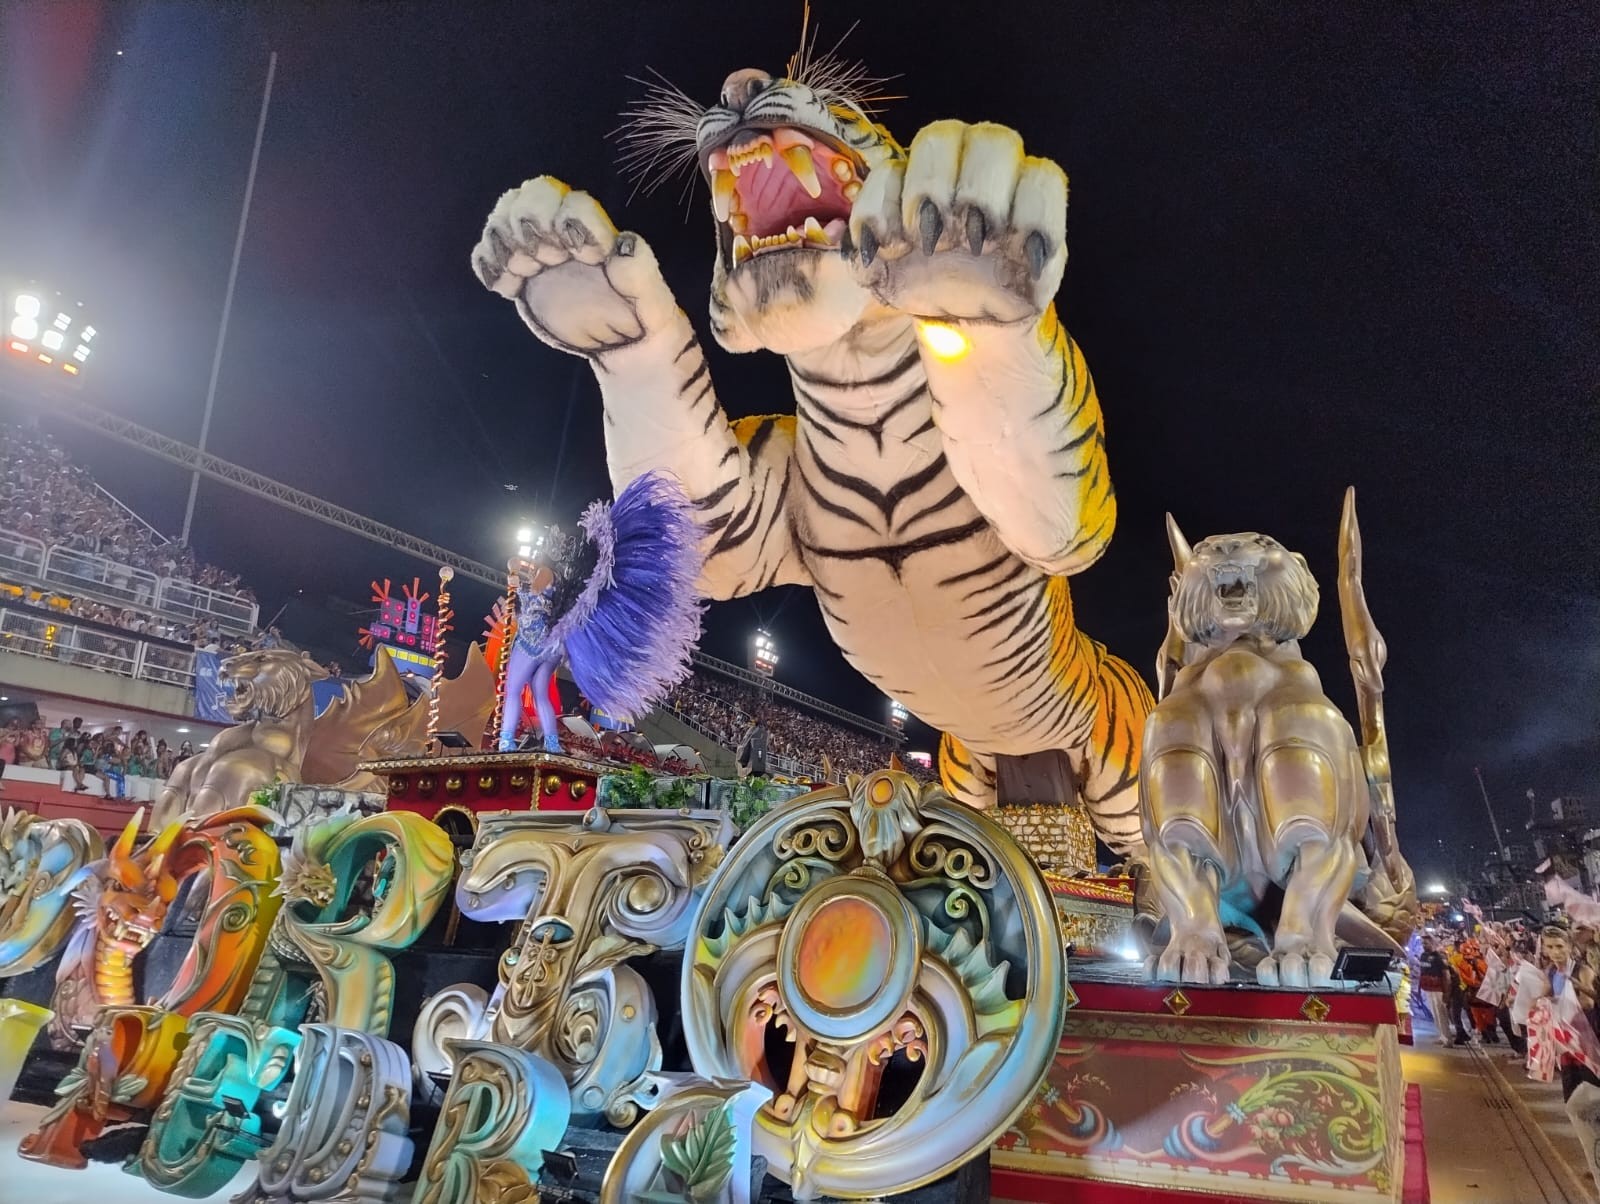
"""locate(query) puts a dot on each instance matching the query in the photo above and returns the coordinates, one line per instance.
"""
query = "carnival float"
(353, 959)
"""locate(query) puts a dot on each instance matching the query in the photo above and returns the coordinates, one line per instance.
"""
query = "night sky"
(1310, 247)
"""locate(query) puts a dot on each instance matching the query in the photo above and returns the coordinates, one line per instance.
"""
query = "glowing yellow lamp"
(944, 341)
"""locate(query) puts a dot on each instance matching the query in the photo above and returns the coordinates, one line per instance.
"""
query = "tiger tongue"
(773, 198)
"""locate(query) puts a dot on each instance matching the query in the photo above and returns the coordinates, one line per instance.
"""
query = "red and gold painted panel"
(1247, 1107)
(482, 781)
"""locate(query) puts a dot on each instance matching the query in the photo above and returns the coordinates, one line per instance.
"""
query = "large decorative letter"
(504, 1109)
(207, 1126)
(345, 1133)
(591, 893)
(694, 1145)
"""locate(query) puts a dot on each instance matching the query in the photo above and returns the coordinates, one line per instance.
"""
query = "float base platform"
(475, 782)
(1164, 1093)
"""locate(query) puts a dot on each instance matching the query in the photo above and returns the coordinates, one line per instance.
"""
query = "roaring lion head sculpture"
(1242, 585)
(269, 684)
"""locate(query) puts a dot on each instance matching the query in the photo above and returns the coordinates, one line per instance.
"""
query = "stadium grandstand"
(87, 584)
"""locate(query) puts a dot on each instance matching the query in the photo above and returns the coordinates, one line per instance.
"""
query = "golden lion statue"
(1253, 779)
(281, 738)
(269, 695)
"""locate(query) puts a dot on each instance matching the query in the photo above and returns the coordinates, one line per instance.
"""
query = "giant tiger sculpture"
(945, 468)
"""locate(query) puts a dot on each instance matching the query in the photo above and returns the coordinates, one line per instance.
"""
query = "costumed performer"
(618, 604)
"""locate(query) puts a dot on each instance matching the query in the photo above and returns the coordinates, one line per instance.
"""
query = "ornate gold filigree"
(859, 923)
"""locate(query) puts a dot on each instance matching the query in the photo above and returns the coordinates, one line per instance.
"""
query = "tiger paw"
(579, 284)
(967, 227)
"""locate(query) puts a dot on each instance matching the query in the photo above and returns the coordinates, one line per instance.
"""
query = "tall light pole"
(1499, 844)
(227, 300)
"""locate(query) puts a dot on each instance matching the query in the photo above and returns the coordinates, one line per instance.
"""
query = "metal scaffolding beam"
(192, 458)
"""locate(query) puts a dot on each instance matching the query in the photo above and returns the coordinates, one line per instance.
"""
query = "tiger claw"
(932, 226)
(1036, 252)
(975, 230)
(869, 246)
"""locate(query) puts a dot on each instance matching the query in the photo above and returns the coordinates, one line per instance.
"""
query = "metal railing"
(29, 560)
(233, 612)
(792, 766)
(21, 555)
(90, 573)
(66, 643)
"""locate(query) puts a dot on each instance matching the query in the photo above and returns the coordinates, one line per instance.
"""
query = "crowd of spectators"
(724, 710)
(44, 496)
(112, 755)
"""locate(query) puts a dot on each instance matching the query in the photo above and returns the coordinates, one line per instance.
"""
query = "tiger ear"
(1181, 551)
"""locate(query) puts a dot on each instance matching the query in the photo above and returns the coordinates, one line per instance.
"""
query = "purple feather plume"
(628, 635)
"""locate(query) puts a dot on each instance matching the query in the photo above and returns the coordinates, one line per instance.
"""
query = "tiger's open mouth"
(781, 189)
(1235, 587)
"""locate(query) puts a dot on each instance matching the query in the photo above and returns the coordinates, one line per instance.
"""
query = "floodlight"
(88, 333)
(24, 326)
(62, 321)
(525, 535)
(52, 340)
(81, 354)
(27, 305)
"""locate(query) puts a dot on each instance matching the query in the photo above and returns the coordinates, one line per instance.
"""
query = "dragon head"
(1229, 586)
(785, 159)
(135, 888)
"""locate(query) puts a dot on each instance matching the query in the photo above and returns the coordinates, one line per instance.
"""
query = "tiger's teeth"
(842, 171)
(851, 190)
(793, 235)
(739, 223)
(815, 234)
(799, 160)
(722, 190)
(741, 249)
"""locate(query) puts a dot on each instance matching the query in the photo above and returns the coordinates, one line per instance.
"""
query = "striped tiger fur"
(944, 470)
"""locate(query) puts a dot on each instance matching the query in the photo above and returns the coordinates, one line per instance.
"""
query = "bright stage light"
(19, 345)
(27, 305)
(52, 340)
(525, 535)
(46, 359)
(1437, 888)
(24, 327)
(81, 354)
(88, 334)
(62, 321)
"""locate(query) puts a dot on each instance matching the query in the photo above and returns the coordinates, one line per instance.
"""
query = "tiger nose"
(740, 88)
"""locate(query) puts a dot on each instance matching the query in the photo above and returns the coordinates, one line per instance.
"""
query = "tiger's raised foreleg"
(968, 234)
(584, 288)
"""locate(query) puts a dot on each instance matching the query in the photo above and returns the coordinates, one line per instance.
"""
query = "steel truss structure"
(185, 455)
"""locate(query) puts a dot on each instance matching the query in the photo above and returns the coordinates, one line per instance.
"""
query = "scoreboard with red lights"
(47, 332)
(402, 623)
(404, 627)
